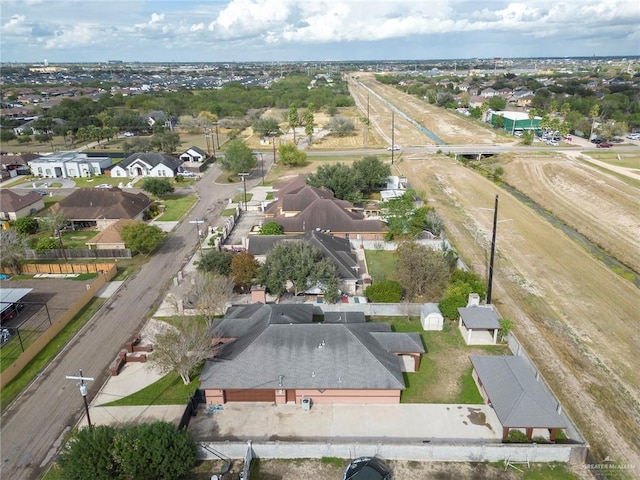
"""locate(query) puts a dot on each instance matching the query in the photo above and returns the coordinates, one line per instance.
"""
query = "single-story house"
(100, 207)
(68, 165)
(14, 206)
(517, 395)
(336, 249)
(149, 164)
(479, 324)
(278, 354)
(109, 238)
(430, 317)
(301, 208)
(194, 154)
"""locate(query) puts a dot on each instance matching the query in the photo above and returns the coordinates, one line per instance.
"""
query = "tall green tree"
(301, 264)
(26, 225)
(338, 178)
(142, 237)
(215, 261)
(238, 157)
(271, 228)
(370, 172)
(90, 454)
(155, 451)
(266, 127)
(293, 120)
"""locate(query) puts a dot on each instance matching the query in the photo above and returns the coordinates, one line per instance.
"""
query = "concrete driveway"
(404, 422)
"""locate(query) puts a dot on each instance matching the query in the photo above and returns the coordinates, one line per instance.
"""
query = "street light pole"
(262, 167)
(83, 391)
(393, 138)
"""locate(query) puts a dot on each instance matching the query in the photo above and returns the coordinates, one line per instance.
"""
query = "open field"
(448, 126)
(576, 318)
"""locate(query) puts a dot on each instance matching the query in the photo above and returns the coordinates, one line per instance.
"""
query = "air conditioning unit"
(306, 404)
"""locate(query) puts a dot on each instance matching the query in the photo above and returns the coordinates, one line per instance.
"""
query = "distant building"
(68, 165)
(512, 121)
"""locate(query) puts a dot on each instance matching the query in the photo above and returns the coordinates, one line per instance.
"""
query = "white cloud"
(16, 26)
(79, 35)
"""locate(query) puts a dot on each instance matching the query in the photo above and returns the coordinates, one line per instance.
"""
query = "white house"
(68, 165)
(193, 154)
(149, 164)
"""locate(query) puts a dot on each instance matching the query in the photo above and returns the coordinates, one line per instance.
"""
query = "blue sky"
(293, 30)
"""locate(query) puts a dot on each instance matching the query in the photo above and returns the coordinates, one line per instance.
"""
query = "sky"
(319, 30)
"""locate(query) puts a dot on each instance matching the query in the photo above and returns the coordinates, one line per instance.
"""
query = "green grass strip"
(42, 359)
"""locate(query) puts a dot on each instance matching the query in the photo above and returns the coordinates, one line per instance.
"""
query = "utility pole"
(493, 251)
(274, 150)
(198, 222)
(83, 391)
(244, 188)
(393, 138)
(262, 167)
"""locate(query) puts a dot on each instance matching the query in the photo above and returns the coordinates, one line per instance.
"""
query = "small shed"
(431, 317)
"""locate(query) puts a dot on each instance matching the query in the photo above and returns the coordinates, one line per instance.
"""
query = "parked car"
(604, 145)
(393, 148)
(11, 311)
(596, 140)
(42, 193)
(104, 185)
(128, 134)
(633, 136)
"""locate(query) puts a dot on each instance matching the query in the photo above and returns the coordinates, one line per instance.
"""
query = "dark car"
(604, 145)
(11, 311)
(42, 193)
(597, 141)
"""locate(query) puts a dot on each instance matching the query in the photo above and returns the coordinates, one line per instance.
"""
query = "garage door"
(253, 395)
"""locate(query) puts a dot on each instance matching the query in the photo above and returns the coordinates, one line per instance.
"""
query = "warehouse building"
(513, 122)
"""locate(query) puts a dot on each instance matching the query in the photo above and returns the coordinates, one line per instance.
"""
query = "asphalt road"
(34, 422)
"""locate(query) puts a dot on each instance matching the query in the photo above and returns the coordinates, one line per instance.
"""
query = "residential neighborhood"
(322, 304)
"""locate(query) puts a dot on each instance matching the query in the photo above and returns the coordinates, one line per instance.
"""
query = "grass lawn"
(445, 371)
(619, 159)
(169, 390)
(239, 198)
(381, 264)
(176, 207)
(77, 238)
(20, 382)
(89, 182)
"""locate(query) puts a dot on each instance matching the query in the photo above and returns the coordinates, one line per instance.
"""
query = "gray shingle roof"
(519, 400)
(308, 355)
(99, 203)
(154, 159)
(10, 201)
(479, 317)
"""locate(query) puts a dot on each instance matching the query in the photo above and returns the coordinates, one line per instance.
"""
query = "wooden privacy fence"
(57, 268)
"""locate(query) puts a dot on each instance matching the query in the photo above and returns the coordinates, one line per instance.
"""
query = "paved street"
(33, 423)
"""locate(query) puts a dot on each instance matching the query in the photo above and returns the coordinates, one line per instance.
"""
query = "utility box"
(306, 404)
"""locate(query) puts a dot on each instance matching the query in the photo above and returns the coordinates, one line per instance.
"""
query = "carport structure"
(517, 395)
(479, 325)
(9, 299)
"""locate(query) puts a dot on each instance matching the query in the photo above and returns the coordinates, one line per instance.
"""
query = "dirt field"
(576, 318)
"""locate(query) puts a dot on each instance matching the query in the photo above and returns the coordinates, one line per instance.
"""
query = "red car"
(605, 145)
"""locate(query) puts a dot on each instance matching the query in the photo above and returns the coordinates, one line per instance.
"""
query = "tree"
(26, 225)
(338, 178)
(370, 172)
(238, 157)
(422, 272)
(266, 127)
(308, 120)
(46, 243)
(497, 103)
(215, 261)
(155, 451)
(6, 135)
(244, 268)
(182, 347)
(341, 126)
(157, 186)
(301, 264)
(293, 120)
(291, 156)
(89, 454)
(165, 141)
(142, 237)
(387, 291)
(207, 293)
(506, 325)
(55, 222)
(271, 228)
(14, 247)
